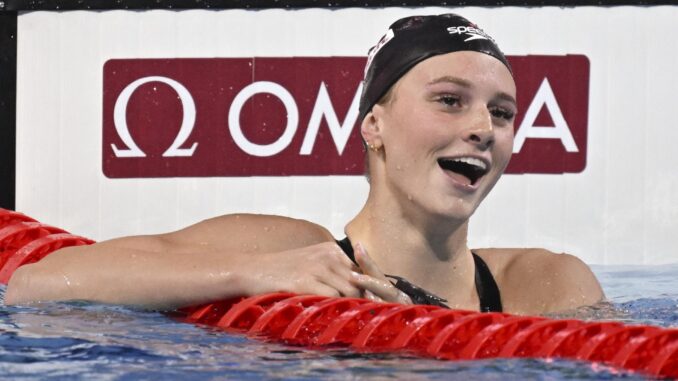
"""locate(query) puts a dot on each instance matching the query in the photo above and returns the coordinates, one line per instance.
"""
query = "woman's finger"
(374, 280)
(317, 289)
(380, 288)
(367, 264)
(341, 283)
(369, 295)
(334, 255)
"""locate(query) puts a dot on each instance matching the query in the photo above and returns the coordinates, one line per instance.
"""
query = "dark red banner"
(298, 116)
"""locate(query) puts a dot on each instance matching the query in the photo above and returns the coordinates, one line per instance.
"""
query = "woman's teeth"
(469, 167)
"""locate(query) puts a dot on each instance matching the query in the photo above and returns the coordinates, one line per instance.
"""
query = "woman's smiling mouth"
(465, 170)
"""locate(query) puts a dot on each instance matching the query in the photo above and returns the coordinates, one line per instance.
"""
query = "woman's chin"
(458, 212)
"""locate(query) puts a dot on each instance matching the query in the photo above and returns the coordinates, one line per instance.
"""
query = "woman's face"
(447, 132)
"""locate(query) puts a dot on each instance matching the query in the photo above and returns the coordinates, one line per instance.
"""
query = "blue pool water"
(65, 341)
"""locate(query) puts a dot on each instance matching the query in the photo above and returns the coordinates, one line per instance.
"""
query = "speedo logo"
(474, 33)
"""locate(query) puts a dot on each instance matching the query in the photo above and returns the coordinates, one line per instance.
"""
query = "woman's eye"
(449, 100)
(502, 113)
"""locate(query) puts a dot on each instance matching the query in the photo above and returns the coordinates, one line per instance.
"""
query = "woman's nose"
(480, 131)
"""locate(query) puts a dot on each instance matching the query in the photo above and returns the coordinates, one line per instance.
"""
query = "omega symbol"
(187, 124)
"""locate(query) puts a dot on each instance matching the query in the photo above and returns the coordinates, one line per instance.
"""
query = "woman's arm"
(537, 281)
(216, 259)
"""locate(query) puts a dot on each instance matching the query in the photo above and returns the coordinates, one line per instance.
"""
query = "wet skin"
(414, 222)
(455, 105)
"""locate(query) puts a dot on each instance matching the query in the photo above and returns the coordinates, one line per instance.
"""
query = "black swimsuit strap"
(347, 248)
(486, 287)
(417, 294)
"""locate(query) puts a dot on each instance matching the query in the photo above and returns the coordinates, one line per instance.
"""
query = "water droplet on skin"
(399, 168)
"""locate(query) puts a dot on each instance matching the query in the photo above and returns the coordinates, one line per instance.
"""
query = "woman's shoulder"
(269, 222)
(537, 280)
(254, 233)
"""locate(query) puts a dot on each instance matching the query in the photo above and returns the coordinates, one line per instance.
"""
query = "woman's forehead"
(472, 69)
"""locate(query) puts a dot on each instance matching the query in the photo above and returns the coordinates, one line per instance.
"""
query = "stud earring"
(373, 147)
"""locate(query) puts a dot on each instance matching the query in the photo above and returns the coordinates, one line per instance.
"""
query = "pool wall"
(599, 183)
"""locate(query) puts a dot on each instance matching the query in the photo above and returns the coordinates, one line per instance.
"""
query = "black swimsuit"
(486, 287)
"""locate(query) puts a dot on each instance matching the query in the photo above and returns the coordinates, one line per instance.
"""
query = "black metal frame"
(8, 37)
(29, 5)
(8, 43)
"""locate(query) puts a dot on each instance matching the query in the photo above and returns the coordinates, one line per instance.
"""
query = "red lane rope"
(311, 320)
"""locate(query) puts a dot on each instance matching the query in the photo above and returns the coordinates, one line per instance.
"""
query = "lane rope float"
(427, 331)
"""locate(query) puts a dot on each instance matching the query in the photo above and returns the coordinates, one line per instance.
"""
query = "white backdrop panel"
(621, 209)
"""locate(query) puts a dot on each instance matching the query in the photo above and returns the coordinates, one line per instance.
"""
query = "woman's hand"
(375, 284)
(320, 269)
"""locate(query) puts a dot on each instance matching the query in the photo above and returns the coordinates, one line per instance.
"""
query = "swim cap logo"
(474, 33)
(376, 48)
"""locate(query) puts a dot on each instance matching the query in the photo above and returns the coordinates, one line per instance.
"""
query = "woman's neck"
(428, 251)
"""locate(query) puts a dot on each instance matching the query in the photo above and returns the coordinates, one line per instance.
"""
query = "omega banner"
(298, 116)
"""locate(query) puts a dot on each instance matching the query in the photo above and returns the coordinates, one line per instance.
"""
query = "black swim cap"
(413, 39)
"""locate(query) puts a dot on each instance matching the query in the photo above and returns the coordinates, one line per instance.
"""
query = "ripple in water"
(60, 341)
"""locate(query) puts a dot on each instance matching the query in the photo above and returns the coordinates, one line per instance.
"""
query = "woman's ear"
(372, 126)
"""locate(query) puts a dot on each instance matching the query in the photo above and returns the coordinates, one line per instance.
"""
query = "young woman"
(437, 114)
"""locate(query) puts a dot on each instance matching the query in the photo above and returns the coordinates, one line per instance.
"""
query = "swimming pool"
(88, 341)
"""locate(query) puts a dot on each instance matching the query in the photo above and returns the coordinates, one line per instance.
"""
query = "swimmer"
(437, 111)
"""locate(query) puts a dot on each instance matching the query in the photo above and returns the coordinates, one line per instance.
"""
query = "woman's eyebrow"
(459, 81)
(506, 97)
(467, 84)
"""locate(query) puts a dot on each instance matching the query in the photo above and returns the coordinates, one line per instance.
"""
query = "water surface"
(65, 341)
